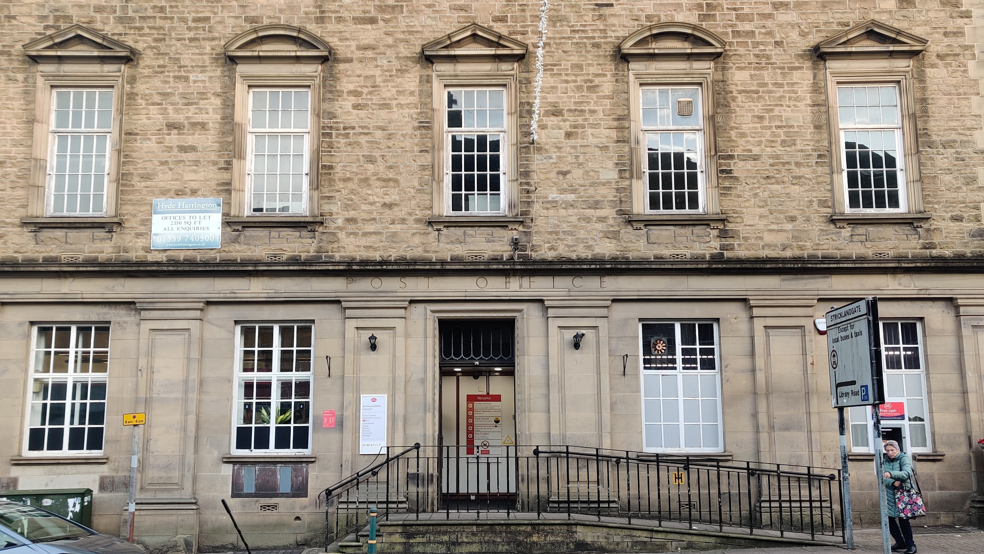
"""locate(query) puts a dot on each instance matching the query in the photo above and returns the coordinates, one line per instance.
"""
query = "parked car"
(30, 530)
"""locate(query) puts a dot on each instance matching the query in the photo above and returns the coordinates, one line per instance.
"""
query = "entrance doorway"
(478, 423)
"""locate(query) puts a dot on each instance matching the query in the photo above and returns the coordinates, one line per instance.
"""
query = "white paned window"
(278, 143)
(81, 125)
(273, 388)
(871, 146)
(476, 137)
(906, 408)
(67, 407)
(672, 129)
(681, 387)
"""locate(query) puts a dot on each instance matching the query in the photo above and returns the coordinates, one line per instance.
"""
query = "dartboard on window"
(658, 346)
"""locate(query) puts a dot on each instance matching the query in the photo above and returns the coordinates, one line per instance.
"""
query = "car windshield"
(37, 525)
(7, 540)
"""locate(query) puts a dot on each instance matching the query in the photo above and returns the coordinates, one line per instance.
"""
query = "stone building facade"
(707, 177)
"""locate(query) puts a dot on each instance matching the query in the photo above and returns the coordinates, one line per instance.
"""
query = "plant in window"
(274, 388)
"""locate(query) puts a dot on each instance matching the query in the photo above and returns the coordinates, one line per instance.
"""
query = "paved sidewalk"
(929, 540)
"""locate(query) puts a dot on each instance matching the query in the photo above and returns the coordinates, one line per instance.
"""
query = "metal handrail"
(637, 487)
(334, 493)
(687, 460)
(366, 471)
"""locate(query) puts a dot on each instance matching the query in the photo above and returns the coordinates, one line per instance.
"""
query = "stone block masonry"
(375, 139)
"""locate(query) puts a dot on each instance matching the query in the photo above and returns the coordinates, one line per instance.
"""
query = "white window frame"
(897, 128)
(679, 372)
(56, 132)
(275, 377)
(504, 153)
(474, 57)
(75, 58)
(70, 378)
(252, 133)
(646, 131)
(862, 427)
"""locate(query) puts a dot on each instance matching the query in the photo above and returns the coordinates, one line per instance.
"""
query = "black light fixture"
(372, 342)
(577, 339)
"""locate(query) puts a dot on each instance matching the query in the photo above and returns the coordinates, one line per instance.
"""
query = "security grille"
(486, 341)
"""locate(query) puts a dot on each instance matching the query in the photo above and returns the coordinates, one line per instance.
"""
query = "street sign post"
(135, 420)
(854, 355)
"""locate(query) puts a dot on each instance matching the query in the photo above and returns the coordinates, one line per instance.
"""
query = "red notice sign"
(892, 410)
(328, 419)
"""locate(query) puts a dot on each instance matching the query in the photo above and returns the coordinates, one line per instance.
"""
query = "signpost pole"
(854, 355)
(845, 480)
(132, 490)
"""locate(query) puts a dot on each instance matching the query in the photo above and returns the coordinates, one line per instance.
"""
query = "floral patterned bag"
(909, 503)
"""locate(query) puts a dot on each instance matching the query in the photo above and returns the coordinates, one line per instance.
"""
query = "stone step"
(350, 545)
(554, 537)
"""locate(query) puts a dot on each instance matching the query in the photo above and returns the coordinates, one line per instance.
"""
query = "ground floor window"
(273, 388)
(905, 414)
(67, 407)
(681, 387)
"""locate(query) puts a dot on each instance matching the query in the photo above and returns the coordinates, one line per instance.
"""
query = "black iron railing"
(547, 481)
(384, 485)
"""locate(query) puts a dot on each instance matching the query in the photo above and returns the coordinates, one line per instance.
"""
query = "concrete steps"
(532, 536)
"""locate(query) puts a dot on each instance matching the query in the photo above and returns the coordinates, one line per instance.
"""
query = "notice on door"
(483, 425)
(372, 433)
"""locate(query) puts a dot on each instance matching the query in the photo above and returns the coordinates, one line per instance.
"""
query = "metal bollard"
(372, 530)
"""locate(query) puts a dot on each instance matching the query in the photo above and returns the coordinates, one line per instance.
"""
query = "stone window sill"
(57, 460)
(843, 220)
(512, 223)
(269, 459)
(310, 223)
(110, 224)
(641, 221)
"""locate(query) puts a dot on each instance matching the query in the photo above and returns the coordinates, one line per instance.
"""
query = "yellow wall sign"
(134, 419)
(679, 478)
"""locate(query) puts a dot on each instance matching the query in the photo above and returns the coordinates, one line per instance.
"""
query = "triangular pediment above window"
(78, 44)
(475, 43)
(278, 42)
(871, 39)
(671, 40)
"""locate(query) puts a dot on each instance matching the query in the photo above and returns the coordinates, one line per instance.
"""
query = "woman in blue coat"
(898, 474)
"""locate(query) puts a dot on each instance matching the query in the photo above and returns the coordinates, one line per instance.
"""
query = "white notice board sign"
(372, 433)
(186, 223)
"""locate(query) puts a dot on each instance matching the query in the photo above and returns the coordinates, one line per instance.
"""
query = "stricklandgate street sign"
(853, 351)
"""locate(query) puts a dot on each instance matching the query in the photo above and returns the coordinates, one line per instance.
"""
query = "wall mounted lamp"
(577, 339)
(372, 342)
